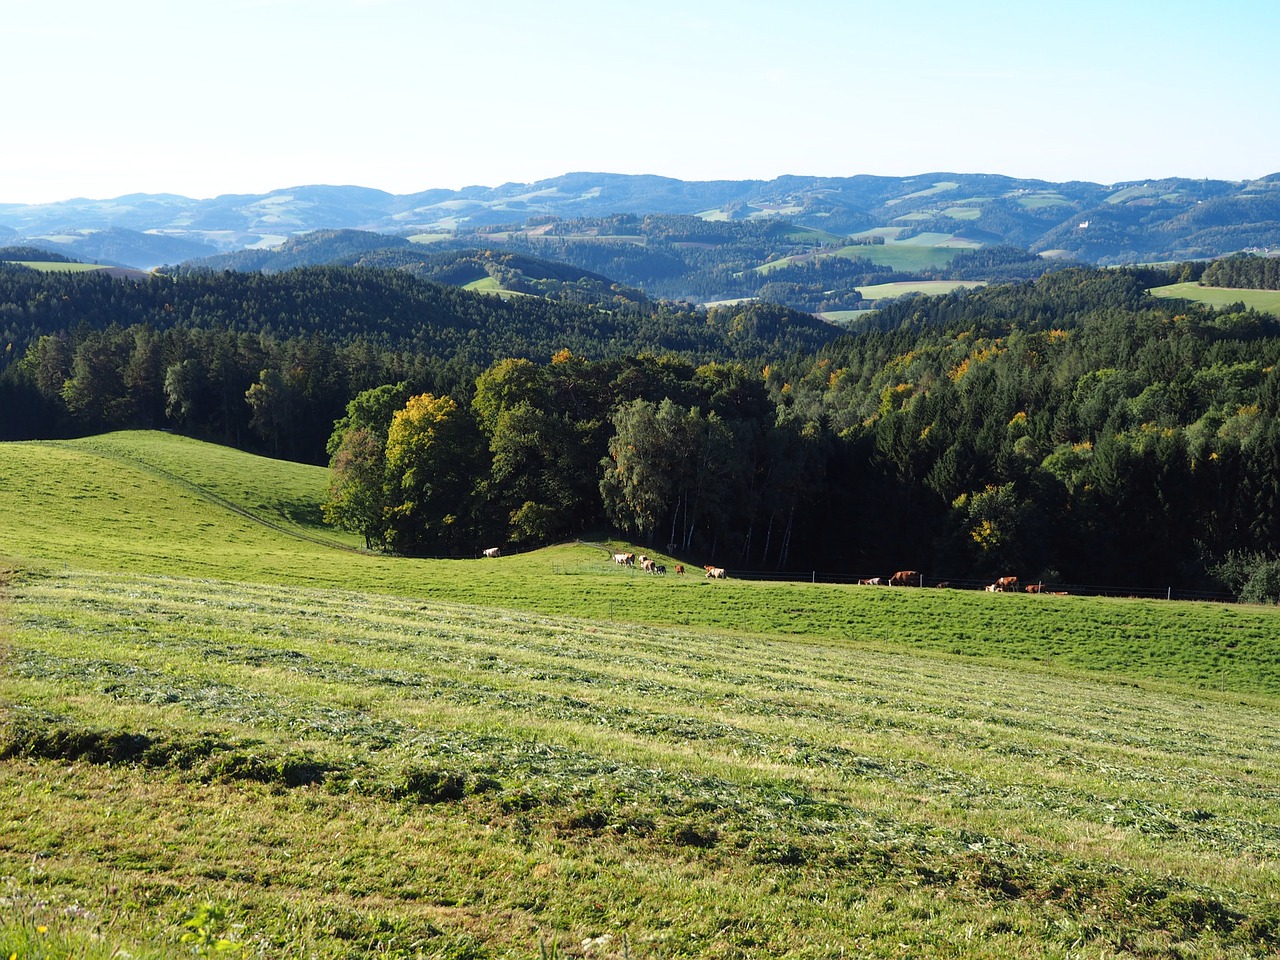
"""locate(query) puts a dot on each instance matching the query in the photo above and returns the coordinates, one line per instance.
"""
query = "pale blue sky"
(244, 96)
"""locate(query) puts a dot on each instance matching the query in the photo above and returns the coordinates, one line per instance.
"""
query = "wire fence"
(968, 583)
(1047, 587)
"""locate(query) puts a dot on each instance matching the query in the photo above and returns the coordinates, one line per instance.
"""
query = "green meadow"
(903, 255)
(55, 266)
(224, 722)
(882, 291)
(1264, 301)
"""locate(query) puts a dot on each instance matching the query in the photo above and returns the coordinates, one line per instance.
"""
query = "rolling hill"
(219, 726)
(486, 269)
(1099, 223)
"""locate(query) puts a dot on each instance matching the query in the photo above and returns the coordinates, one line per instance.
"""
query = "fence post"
(815, 577)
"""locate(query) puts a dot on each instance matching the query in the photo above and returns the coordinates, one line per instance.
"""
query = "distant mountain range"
(1142, 221)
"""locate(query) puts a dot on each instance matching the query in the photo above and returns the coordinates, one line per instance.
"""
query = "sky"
(204, 98)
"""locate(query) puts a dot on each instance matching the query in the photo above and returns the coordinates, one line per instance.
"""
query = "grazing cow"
(624, 559)
(660, 568)
(647, 564)
(904, 578)
(1005, 584)
(872, 581)
(679, 569)
(493, 552)
(714, 573)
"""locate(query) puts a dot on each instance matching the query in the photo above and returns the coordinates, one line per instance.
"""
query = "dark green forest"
(85, 352)
(1068, 430)
(1244, 271)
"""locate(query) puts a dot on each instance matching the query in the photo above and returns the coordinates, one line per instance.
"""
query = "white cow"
(493, 552)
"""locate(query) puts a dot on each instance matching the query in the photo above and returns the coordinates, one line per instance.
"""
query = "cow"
(648, 565)
(1034, 588)
(872, 581)
(904, 578)
(1005, 584)
(625, 559)
(714, 573)
(679, 569)
(660, 568)
(493, 552)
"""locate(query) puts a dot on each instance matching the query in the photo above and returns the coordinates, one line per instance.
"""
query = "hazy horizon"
(250, 96)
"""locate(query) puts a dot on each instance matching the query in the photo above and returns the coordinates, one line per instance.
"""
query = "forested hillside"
(453, 264)
(86, 352)
(1070, 429)
(613, 260)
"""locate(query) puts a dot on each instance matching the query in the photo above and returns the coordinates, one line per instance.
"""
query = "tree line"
(1070, 428)
(1247, 271)
(268, 362)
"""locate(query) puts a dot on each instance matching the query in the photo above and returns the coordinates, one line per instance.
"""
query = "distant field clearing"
(933, 288)
(907, 256)
(1267, 301)
(57, 266)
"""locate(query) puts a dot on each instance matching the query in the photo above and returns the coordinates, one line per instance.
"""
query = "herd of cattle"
(903, 578)
(649, 565)
(913, 578)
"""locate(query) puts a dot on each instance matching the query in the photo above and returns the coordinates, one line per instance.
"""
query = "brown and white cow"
(714, 573)
(1005, 584)
(904, 578)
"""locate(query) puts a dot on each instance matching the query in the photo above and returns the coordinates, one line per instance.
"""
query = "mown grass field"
(353, 755)
(1265, 301)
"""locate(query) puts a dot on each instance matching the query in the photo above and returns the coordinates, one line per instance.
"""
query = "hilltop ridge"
(1166, 219)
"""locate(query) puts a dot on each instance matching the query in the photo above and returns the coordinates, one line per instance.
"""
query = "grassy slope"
(1266, 301)
(783, 769)
(905, 255)
(58, 266)
(881, 291)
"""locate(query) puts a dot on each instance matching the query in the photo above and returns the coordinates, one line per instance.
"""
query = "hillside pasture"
(1264, 301)
(842, 316)
(942, 186)
(358, 774)
(113, 510)
(356, 755)
(904, 256)
(931, 288)
(58, 266)
(1036, 199)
